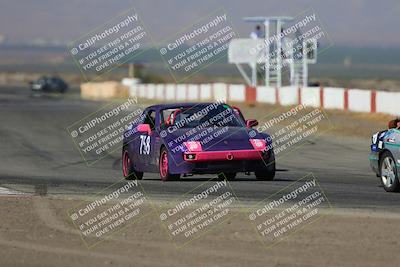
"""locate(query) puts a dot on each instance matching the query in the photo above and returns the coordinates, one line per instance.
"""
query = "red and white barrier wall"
(326, 97)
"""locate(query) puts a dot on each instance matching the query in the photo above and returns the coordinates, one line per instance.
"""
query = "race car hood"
(214, 138)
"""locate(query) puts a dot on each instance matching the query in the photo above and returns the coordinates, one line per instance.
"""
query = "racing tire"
(268, 174)
(227, 175)
(388, 173)
(127, 167)
(163, 168)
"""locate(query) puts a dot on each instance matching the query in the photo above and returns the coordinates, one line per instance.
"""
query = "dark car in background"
(49, 84)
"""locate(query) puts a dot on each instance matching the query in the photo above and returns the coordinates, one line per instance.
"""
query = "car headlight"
(258, 144)
(193, 146)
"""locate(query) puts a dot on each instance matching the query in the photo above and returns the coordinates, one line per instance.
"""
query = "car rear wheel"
(127, 167)
(388, 171)
(268, 174)
(165, 175)
(227, 175)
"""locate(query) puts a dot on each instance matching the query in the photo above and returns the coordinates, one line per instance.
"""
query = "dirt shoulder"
(35, 231)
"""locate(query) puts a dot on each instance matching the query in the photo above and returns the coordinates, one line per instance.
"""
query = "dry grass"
(338, 122)
(342, 123)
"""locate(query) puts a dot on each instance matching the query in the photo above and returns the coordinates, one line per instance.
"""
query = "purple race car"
(196, 138)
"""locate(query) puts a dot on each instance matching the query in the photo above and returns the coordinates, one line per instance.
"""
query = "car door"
(146, 142)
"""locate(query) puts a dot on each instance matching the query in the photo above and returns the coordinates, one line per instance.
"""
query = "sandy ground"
(35, 231)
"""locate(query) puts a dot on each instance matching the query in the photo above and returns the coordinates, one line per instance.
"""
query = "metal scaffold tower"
(272, 51)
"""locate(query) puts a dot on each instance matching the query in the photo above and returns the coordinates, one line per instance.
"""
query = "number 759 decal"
(144, 144)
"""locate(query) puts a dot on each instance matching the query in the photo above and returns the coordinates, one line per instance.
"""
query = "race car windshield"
(220, 116)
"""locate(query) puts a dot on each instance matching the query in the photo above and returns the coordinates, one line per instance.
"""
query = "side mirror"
(144, 128)
(251, 123)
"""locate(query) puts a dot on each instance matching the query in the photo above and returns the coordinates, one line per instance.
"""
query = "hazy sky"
(348, 22)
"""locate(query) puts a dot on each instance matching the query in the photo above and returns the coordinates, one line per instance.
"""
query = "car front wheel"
(268, 174)
(388, 171)
(227, 175)
(165, 175)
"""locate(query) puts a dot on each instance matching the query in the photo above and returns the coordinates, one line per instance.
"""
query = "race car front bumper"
(229, 155)
(374, 162)
(211, 162)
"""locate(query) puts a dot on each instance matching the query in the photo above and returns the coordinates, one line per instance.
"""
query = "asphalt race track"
(38, 156)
